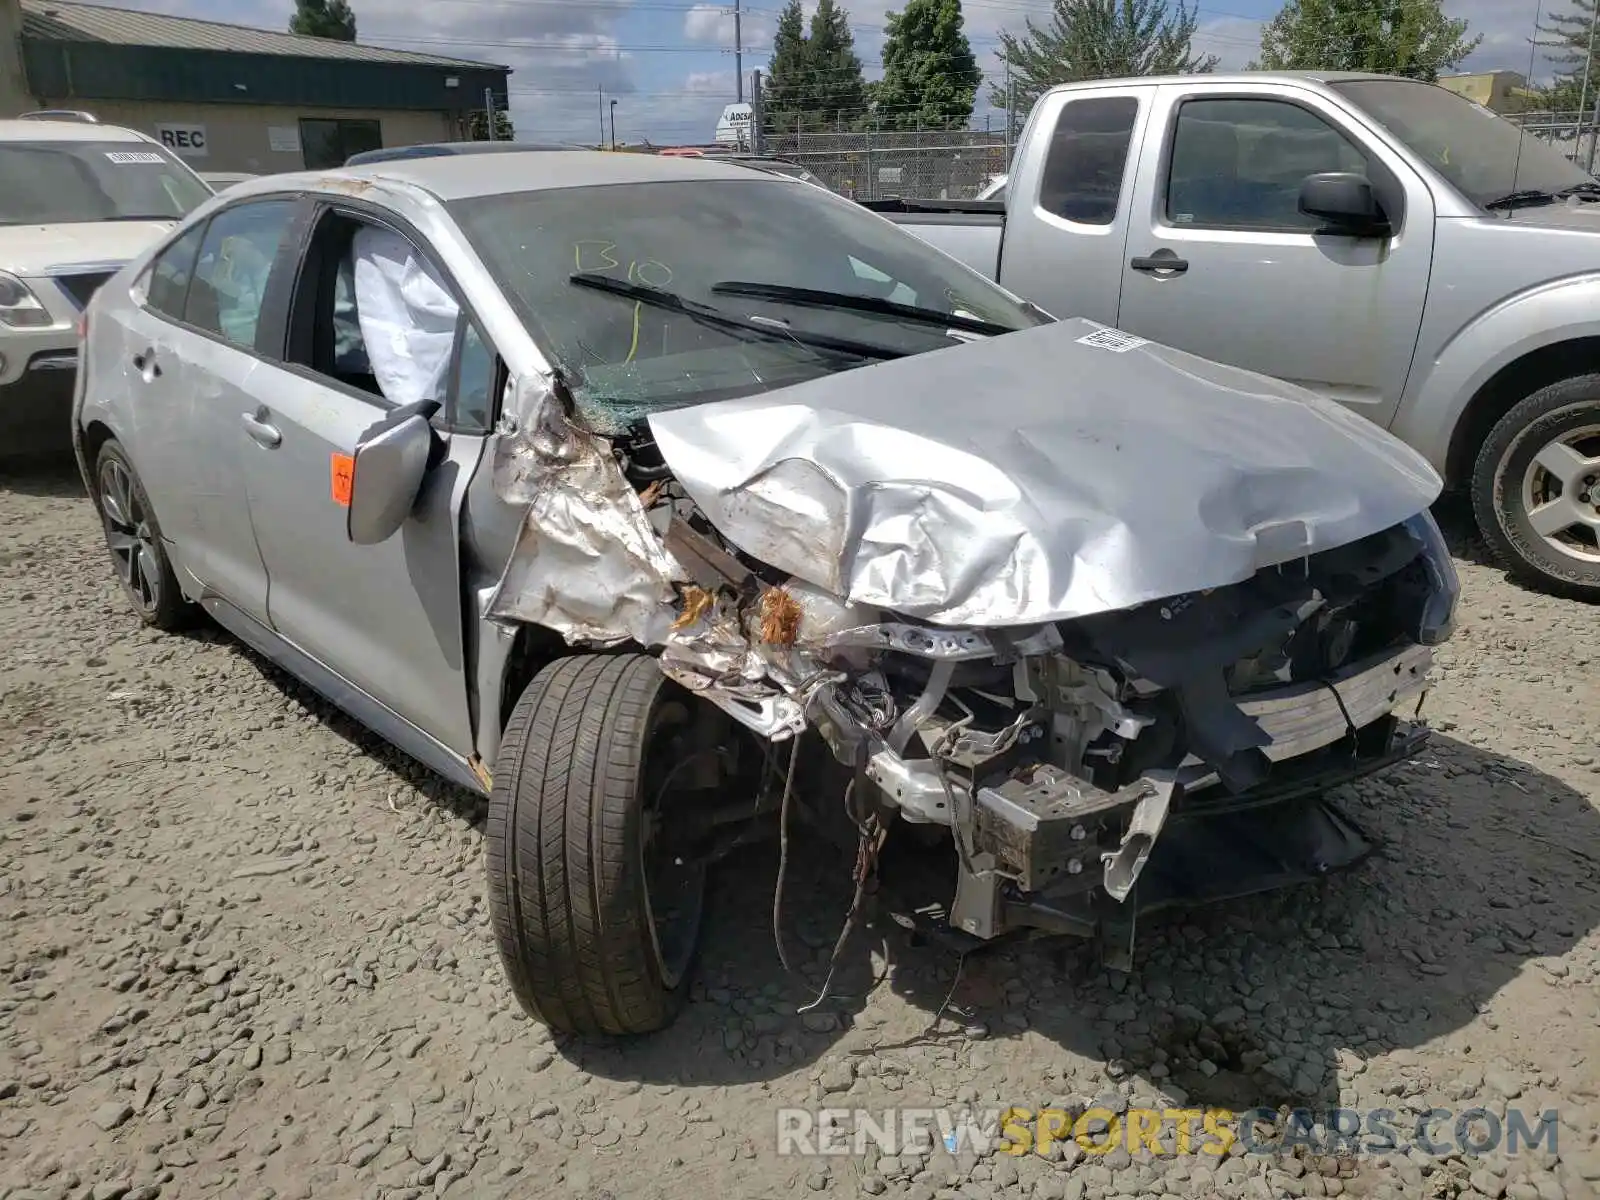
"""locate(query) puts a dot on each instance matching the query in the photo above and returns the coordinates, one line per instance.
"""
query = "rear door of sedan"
(386, 619)
(179, 354)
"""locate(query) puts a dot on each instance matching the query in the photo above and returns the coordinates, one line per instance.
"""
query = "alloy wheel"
(129, 535)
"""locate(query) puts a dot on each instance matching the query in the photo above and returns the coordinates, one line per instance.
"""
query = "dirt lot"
(246, 953)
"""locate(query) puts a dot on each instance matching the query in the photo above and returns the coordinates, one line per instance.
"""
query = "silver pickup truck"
(1386, 243)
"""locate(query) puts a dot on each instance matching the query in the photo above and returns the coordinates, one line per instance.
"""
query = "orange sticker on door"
(344, 474)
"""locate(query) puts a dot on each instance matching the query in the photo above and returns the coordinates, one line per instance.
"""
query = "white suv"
(77, 200)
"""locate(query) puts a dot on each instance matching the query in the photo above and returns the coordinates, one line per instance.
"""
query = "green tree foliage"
(813, 81)
(1566, 36)
(930, 75)
(324, 19)
(784, 90)
(1099, 39)
(1397, 37)
(478, 126)
(838, 90)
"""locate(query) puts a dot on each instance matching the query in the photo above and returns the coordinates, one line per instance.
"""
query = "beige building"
(1498, 91)
(229, 98)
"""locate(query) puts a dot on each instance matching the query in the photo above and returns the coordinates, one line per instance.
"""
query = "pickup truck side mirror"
(1345, 201)
(386, 472)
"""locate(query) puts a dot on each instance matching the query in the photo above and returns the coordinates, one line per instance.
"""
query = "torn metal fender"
(587, 563)
(1037, 477)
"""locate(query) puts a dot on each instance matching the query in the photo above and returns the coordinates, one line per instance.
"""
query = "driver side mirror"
(1345, 201)
(386, 472)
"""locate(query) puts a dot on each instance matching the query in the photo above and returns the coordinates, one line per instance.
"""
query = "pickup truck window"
(627, 354)
(1239, 163)
(1483, 155)
(1087, 159)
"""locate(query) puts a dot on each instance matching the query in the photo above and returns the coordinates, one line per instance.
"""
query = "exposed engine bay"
(1109, 760)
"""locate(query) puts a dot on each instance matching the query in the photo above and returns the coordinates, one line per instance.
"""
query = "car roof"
(1237, 77)
(435, 149)
(66, 131)
(452, 177)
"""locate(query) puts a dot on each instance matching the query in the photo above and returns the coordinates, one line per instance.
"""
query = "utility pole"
(488, 112)
(757, 115)
(1583, 94)
(613, 124)
(601, 89)
(738, 54)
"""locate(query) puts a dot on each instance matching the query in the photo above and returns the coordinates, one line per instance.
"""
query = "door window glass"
(1088, 157)
(168, 281)
(230, 278)
(1238, 164)
(475, 373)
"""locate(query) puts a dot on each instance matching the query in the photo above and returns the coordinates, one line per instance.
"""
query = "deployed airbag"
(407, 316)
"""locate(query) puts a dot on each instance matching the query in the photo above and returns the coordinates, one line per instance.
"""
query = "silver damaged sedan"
(668, 503)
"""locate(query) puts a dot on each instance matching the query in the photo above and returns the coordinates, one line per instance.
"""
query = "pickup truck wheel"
(133, 536)
(1536, 488)
(597, 921)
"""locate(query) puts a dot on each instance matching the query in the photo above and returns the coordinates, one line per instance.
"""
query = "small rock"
(363, 1154)
(111, 1114)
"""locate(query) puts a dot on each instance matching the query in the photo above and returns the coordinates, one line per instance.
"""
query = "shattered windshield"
(49, 183)
(627, 356)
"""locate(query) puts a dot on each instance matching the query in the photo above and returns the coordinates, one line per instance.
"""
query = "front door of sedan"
(384, 618)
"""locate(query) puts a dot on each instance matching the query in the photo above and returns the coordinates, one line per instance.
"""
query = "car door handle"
(262, 432)
(1163, 260)
(145, 363)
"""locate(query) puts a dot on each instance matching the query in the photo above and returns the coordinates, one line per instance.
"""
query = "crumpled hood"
(35, 249)
(1038, 476)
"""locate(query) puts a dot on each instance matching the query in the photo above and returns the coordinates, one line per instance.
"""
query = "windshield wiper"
(708, 315)
(1528, 196)
(847, 302)
(1589, 187)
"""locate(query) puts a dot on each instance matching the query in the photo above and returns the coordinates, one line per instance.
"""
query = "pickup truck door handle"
(145, 363)
(1162, 260)
(262, 432)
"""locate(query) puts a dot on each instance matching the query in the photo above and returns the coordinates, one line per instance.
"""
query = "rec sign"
(186, 141)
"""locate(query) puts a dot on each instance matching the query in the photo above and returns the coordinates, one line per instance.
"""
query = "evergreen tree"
(837, 92)
(1568, 36)
(929, 73)
(784, 90)
(1099, 39)
(478, 126)
(1396, 37)
(324, 19)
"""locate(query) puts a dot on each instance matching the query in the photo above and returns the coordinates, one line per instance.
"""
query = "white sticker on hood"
(127, 157)
(1113, 339)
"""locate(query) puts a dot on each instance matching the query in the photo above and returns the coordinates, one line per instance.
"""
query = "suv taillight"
(83, 326)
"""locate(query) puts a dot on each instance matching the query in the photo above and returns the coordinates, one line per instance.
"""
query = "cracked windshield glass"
(667, 294)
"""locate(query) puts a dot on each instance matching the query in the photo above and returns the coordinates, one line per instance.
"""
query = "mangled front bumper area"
(1092, 696)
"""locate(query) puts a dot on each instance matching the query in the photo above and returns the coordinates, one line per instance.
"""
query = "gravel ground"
(247, 953)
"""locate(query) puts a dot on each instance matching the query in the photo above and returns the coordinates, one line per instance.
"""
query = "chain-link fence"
(944, 164)
(1572, 133)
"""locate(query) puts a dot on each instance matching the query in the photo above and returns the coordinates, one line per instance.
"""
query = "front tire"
(1536, 489)
(595, 931)
(133, 537)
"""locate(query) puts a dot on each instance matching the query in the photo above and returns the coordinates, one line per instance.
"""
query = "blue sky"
(669, 63)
